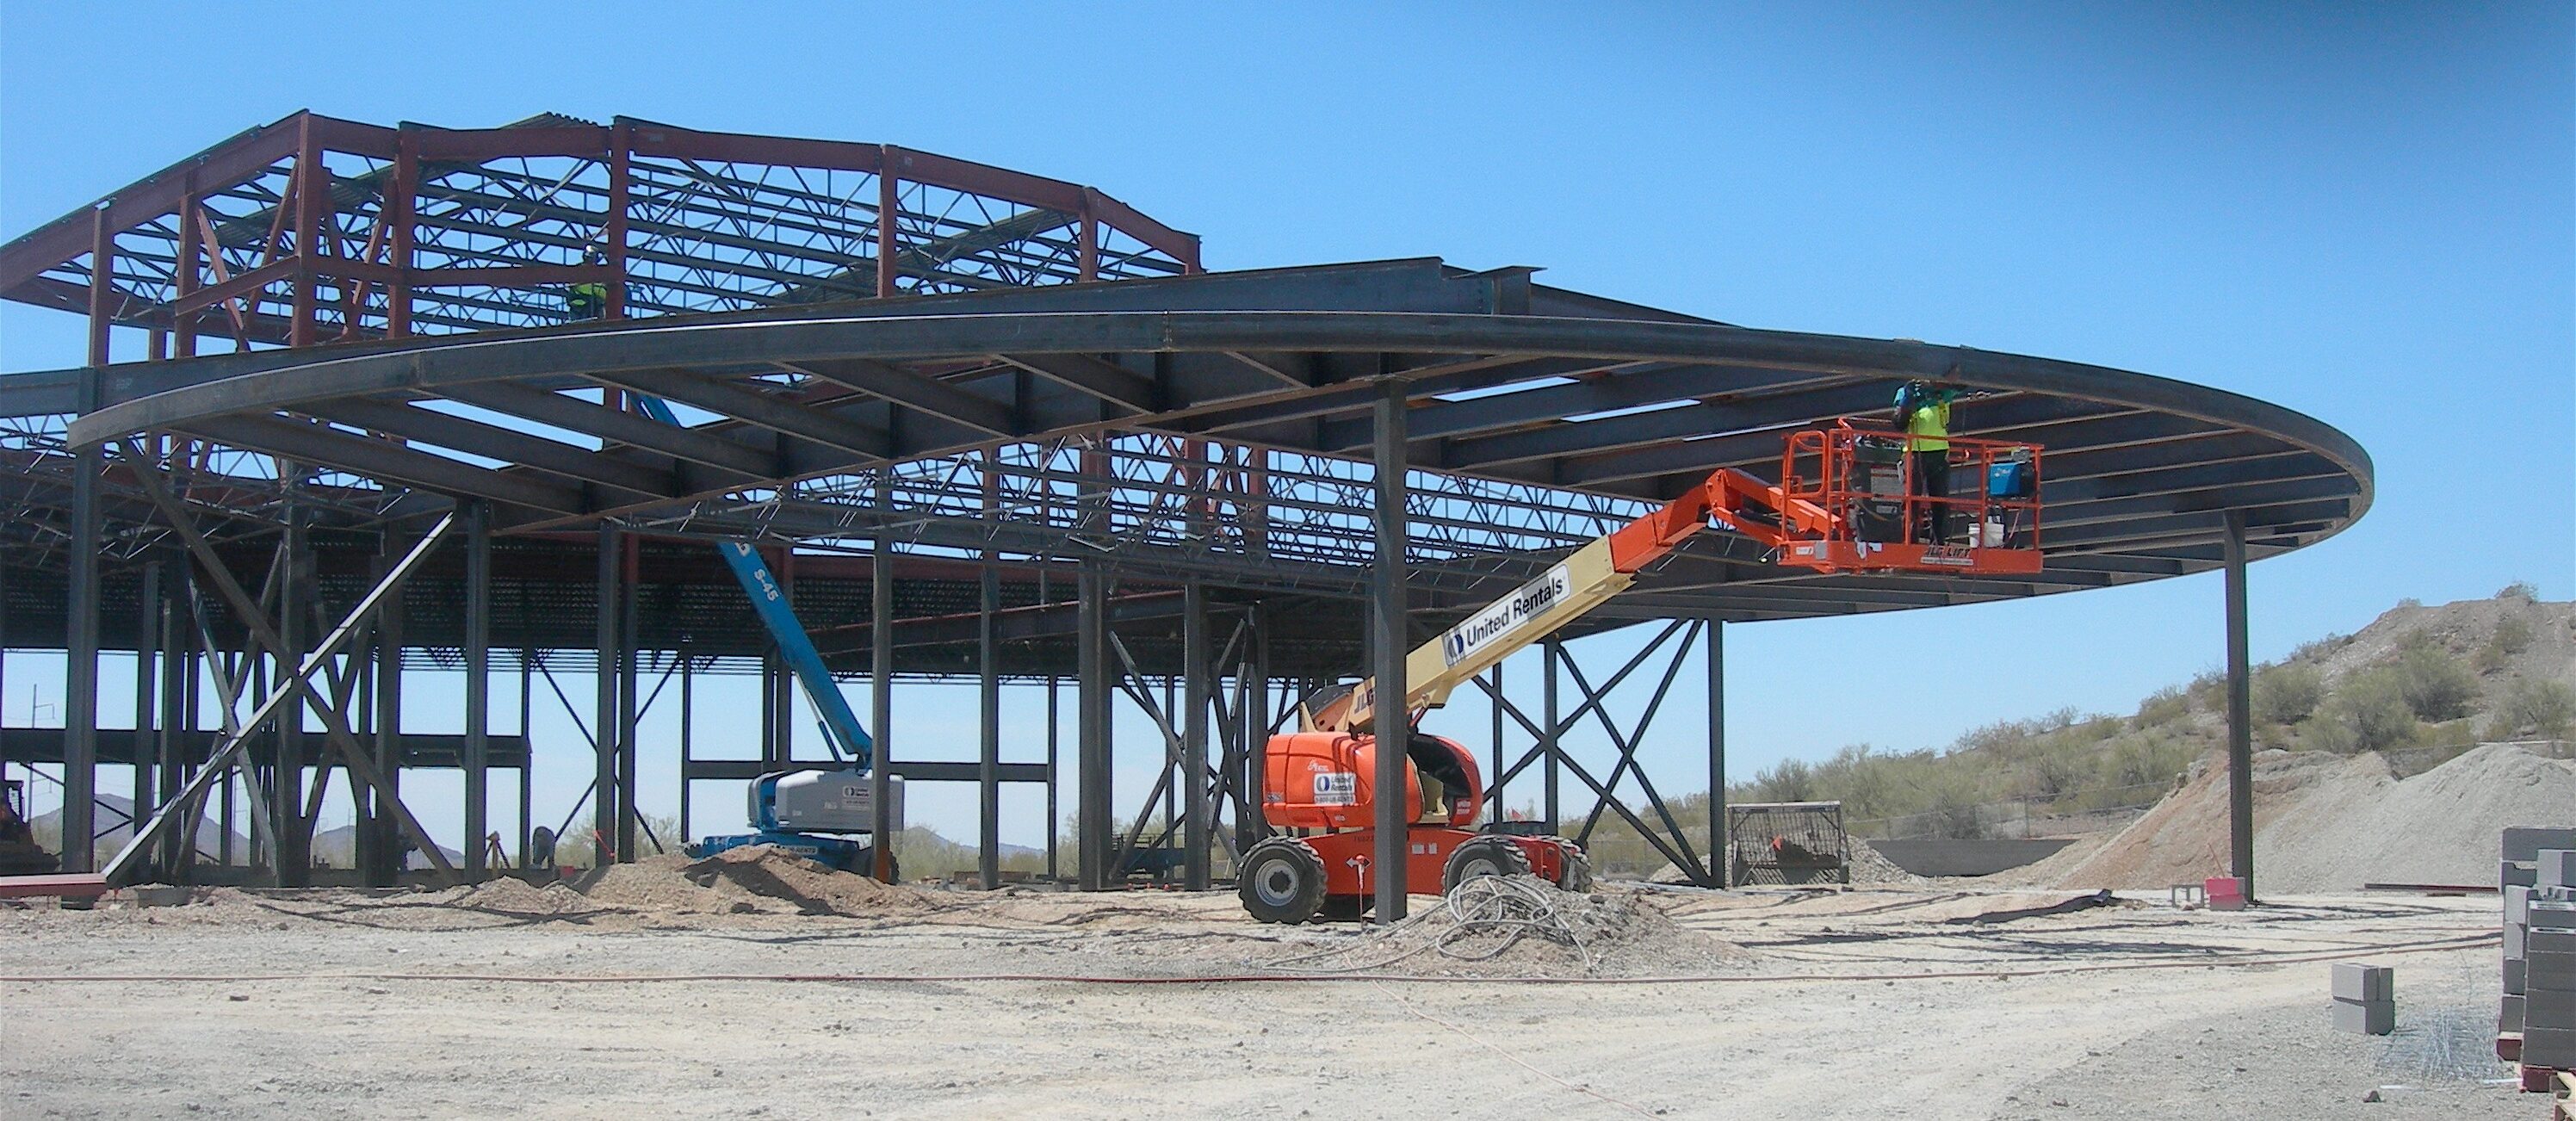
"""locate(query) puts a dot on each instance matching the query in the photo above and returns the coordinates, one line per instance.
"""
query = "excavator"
(1843, 503)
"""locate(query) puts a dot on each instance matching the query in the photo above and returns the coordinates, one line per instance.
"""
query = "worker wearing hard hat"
(1923, 414)
(588, 299)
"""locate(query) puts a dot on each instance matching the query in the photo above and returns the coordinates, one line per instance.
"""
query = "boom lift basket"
(1877, 516)
(1787, 843)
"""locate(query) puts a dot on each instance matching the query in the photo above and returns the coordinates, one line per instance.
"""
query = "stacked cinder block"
(2365, 998)
(2539, 886)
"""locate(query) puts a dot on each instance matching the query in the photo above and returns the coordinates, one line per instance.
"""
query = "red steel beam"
(621, 177)
(235, 160)
(311, 194)
(69, 885)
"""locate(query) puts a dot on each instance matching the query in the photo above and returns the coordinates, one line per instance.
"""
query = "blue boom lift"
(814, 814)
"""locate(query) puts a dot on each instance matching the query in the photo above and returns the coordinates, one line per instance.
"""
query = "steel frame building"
(990, 425)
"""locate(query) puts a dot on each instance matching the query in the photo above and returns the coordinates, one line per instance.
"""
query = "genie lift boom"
(814, 814)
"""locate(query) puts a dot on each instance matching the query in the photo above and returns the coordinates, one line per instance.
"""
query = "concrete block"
(2550, 915)
(2377, 1017)
(2517, 905)
(2546, 1009)
(2517, 874)
(2524, 842)
(2547, 941)
(2554, 972)
(2514, 976)
(2549, 1047)
(2517, 940)
(2509, 1014)
(2557, 867)
(2364, 984)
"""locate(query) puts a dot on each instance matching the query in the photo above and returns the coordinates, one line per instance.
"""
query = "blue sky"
(2363, 212)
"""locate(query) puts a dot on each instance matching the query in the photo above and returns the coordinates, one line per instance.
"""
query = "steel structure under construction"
(385, 417)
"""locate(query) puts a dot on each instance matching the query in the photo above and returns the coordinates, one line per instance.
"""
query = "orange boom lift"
(1843, 503)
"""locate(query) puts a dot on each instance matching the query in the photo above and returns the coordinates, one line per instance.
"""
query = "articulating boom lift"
(1844, 503)
(814, 814)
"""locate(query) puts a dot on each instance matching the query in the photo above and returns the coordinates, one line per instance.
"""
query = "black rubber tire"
(1576, 868)
(1281, 881)
(866, 865)
(1483, 856)
(1345, 908)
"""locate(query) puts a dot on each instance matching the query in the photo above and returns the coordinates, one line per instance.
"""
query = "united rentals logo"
(1553, 587)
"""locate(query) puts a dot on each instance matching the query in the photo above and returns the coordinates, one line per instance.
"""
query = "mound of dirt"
(1521, 926)
(2328, 823)
(518, 898)
(757, 879)
(1868, 867)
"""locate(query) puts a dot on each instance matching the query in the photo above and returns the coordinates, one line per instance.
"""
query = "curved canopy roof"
(1539, 417)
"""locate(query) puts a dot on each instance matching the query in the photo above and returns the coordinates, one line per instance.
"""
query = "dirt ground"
(1914, 1002)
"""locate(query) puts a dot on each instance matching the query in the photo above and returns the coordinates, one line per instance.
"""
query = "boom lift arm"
(1804, 519)
(841, 730)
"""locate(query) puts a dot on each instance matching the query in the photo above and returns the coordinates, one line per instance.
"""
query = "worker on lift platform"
(1923, 414)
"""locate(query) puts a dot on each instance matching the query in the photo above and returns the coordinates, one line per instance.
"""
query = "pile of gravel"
(2329, 823)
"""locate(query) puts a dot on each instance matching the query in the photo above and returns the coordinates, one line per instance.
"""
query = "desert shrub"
(2434, 685)
(2317, 649)
(2523, 590)
(2208, 690)
(2164, 706)
(2512, 636)
(2534, 706)
(2368, 712)
(1789, 780)
(2287, 693)
(1950, 808)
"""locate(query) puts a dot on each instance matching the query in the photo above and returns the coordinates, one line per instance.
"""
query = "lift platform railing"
(1880, 515)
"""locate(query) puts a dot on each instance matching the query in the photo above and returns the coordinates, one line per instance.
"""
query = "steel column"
(147, 649)
(80, 675)
(889, 203)
(2240, 725)
(293, 858)
(387, 859)
(988, 711)
(1091, 734)
(881, 686)
(1196, 693)
(629, 691)
(1386, 617)
(1494, 793)
(1717, 866)
(603, 806)
(478, 686)
(1551, 652)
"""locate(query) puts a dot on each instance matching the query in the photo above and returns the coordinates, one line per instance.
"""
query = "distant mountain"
(114, 815)
(339, 848)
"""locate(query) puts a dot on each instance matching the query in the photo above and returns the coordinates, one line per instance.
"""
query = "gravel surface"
(539, 1003)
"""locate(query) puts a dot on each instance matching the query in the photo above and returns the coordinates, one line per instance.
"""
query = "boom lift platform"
(1845, 502)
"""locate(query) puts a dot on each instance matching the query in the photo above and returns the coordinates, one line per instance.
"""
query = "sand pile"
(2326, 823)
(757, 879)
(1522, 926)
(517, 898)
(1868, 867)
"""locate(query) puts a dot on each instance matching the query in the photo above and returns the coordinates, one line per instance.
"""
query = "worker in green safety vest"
(588, 299)
(1923, 414)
